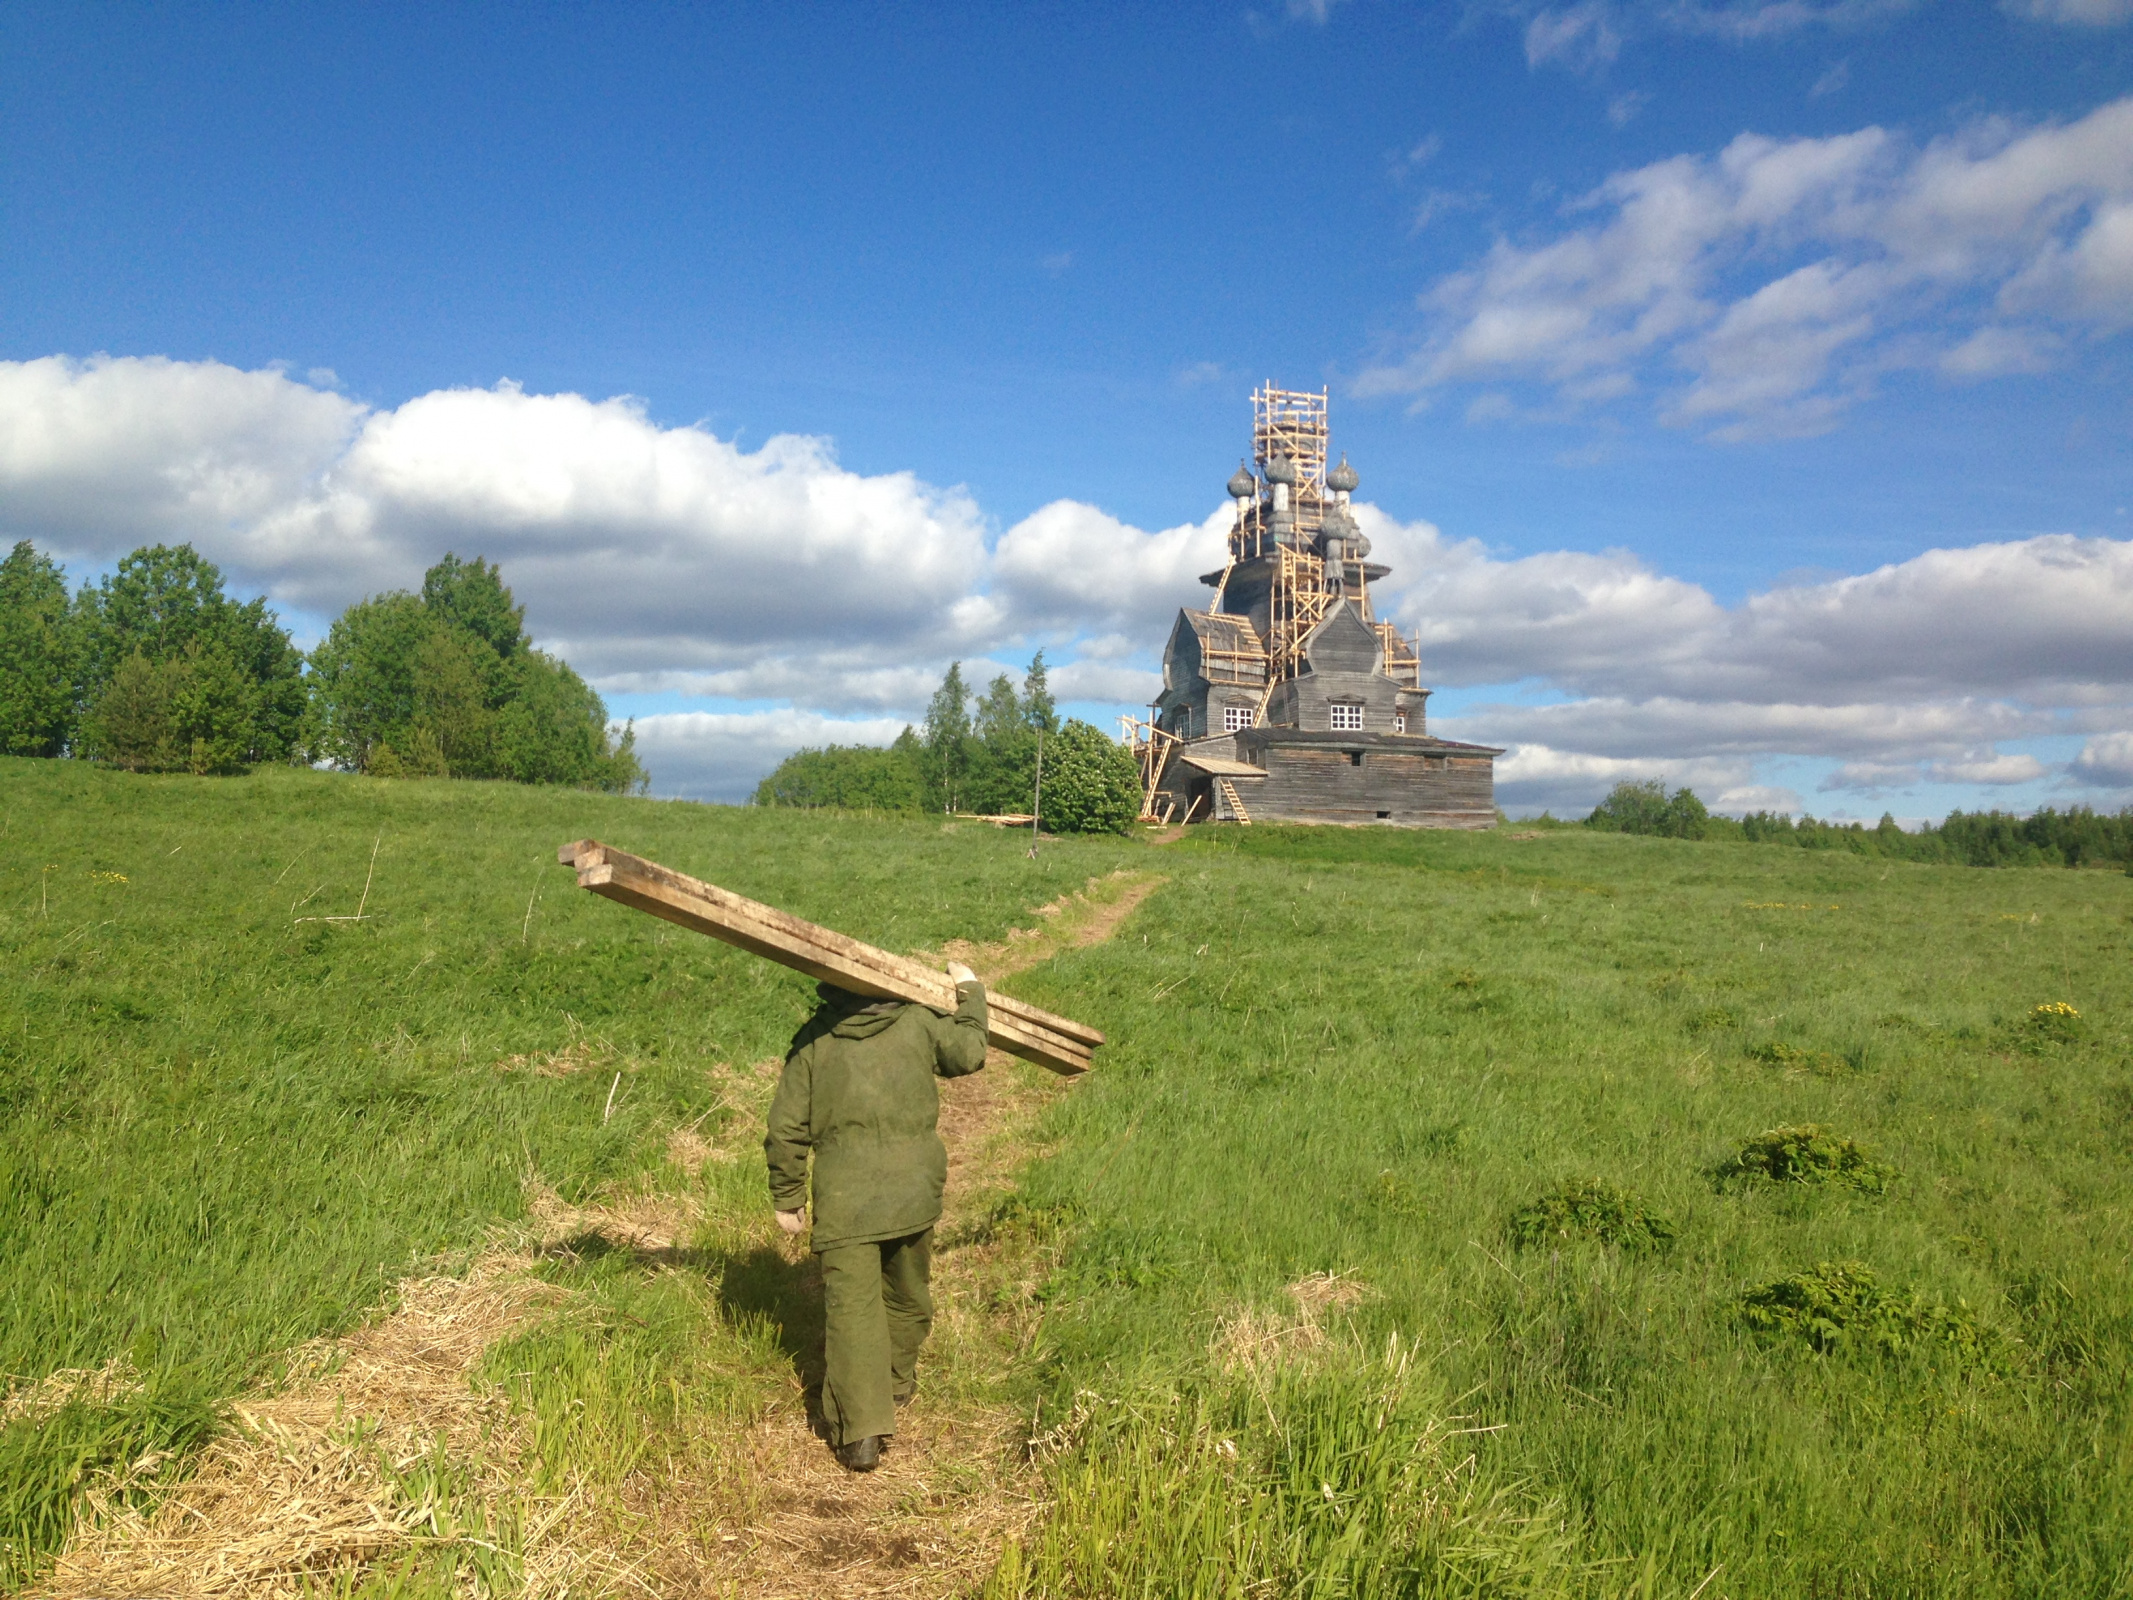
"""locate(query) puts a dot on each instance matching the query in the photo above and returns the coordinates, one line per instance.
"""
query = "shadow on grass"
(756, 1284)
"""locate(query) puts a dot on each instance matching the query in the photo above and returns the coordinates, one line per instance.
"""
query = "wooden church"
(1286, 700)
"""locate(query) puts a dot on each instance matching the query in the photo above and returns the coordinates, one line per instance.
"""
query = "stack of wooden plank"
(1021, 1030)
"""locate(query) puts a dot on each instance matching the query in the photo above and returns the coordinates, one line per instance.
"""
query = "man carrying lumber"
(858, 1091)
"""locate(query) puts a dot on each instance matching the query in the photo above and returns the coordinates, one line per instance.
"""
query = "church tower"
(1287, 699)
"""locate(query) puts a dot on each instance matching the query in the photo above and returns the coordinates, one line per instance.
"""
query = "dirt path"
(316, 1478)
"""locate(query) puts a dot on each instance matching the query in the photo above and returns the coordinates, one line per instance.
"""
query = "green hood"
(855, 1016)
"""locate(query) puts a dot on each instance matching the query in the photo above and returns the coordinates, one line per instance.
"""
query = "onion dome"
(1281, 470)
(1242, 486)
(1342, 477)
(1358, 545)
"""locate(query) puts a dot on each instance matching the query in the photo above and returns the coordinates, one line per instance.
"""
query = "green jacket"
(858, 1091)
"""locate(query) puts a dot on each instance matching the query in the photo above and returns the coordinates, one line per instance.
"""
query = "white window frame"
(1236, 718)
(1399, 722)
(1347, 717)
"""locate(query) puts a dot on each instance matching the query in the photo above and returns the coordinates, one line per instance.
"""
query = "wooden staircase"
(1236, 801)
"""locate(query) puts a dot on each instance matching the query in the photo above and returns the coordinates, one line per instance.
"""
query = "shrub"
(1837, 1307)
(1590, 1209)
(37, 655)
(2054, 1022)
(852, 777)
(193, 713)
(1792, 1058)
(1809, 1153)
(445, 684)
(209, 685)
(1648, 808)
(1091, 784)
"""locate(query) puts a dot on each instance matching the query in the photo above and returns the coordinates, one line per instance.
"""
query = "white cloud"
(1536, 775)
(2072, 13)
(2048, 618)
(721, 756)
(1784, 276)
(1988, 767)
(1590, 34)
(666, 559)
(2106, 761)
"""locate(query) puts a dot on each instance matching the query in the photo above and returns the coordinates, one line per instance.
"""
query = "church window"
(1399, 722)
(1347, 718)
(1236, 717)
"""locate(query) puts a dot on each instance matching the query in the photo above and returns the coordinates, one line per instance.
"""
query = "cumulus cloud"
(2106, 761)
(721, 756)
(2072, 13)
(1587, 36)
(664, 559)
(1764, 289)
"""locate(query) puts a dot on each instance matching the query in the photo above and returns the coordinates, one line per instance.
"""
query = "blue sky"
(1741, 389)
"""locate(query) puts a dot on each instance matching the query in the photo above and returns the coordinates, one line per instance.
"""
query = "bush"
(177, 677)
(1792, 1058)
(1837, 1307)
(1809, 1153)
(1091, 784)
(1590, 1209)
(444, 684)
(1647, 808)
(37, 656)
(193, 714)
(851, 777)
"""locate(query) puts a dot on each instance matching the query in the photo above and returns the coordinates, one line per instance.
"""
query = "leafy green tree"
(553, 729)
(1038, 709)
(1647, 808)
(470, 596)
(444, 684)
(1090, 782)
(947, 741)
(850, 777)
(363, 682)
(37, 656)
(242, 678)
(195, 712)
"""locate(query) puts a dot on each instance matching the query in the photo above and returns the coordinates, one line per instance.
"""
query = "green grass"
(1347, 1051)
(227, 1130)
(1363, 1052)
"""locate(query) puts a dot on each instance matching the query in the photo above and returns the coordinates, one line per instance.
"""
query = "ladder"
(1236, 801)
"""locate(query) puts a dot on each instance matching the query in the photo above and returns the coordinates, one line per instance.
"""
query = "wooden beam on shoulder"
(822, 953)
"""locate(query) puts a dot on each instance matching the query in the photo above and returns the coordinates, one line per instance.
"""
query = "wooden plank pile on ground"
(1021, 1030)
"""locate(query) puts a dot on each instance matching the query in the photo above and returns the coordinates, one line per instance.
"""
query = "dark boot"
(861, 1455)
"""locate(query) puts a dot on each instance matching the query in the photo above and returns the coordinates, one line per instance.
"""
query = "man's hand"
(960, 973)
(793, 1222)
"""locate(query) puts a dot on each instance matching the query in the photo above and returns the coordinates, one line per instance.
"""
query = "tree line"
(157, 669)
(980, 753)
(2075, 837)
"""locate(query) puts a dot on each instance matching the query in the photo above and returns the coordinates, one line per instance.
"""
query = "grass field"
(1309, 1321)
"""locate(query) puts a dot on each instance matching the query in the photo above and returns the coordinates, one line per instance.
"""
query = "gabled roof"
(1219, 630)
(1343, 642)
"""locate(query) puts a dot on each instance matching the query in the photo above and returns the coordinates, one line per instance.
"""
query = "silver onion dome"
(1281, 470)
(1342, 478)
(1242, 485)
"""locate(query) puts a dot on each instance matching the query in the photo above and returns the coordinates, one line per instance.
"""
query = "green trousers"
(877, 1310)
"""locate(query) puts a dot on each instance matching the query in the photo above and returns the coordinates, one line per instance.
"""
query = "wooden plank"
(822, 953)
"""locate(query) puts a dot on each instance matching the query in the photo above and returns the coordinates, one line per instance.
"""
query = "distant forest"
(982, 755)
(2078, 837)
(156, 669)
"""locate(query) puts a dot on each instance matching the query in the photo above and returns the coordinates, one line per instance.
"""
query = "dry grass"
(1258, 1339)
(316, 1476)
(114, 1380)
(338, 1468)
(1074, 921)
